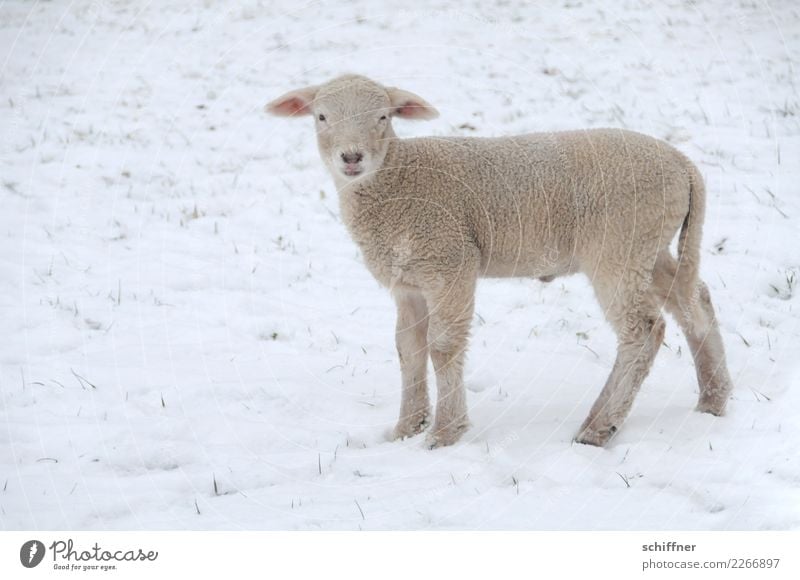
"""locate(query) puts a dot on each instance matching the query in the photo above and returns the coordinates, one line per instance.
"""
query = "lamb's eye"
(383, 118)
(321, 117)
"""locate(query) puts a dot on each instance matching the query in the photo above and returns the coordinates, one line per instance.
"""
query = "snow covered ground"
(190, 339)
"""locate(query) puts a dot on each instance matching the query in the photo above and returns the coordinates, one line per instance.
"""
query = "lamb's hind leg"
(640, 330)
(412, 348)
(694, 312)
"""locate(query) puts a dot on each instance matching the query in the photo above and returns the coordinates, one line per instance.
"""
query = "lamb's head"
(353, 117)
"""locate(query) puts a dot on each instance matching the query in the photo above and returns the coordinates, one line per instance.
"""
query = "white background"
(359, 555)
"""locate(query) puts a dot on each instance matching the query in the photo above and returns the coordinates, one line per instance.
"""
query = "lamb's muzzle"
(432, 215)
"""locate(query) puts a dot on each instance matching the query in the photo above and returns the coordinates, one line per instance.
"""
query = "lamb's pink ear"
(410, 106)
(293, 103)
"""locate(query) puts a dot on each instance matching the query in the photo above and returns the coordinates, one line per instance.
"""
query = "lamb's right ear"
(293, 103)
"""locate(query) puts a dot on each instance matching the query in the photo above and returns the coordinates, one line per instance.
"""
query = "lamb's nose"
(352, 157)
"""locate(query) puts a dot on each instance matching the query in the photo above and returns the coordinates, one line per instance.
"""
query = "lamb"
(432, 215)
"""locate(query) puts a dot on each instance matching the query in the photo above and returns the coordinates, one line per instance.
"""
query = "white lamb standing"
(431, 215)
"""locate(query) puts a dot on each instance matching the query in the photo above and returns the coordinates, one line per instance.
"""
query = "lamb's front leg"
(412, 348)
(450, 318)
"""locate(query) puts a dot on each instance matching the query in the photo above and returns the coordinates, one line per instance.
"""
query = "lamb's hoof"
(711, 406)
(447, 435)
(596, 437)
(410, 426)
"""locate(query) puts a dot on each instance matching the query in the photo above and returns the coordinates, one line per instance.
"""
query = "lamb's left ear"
(410, 106)
(293, 103)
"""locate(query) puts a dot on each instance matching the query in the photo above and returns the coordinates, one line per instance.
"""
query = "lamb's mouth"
(351, 170)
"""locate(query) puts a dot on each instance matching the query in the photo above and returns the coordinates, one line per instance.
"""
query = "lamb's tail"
(692, 232)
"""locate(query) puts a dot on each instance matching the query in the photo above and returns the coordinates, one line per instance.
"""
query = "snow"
(191, 340)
